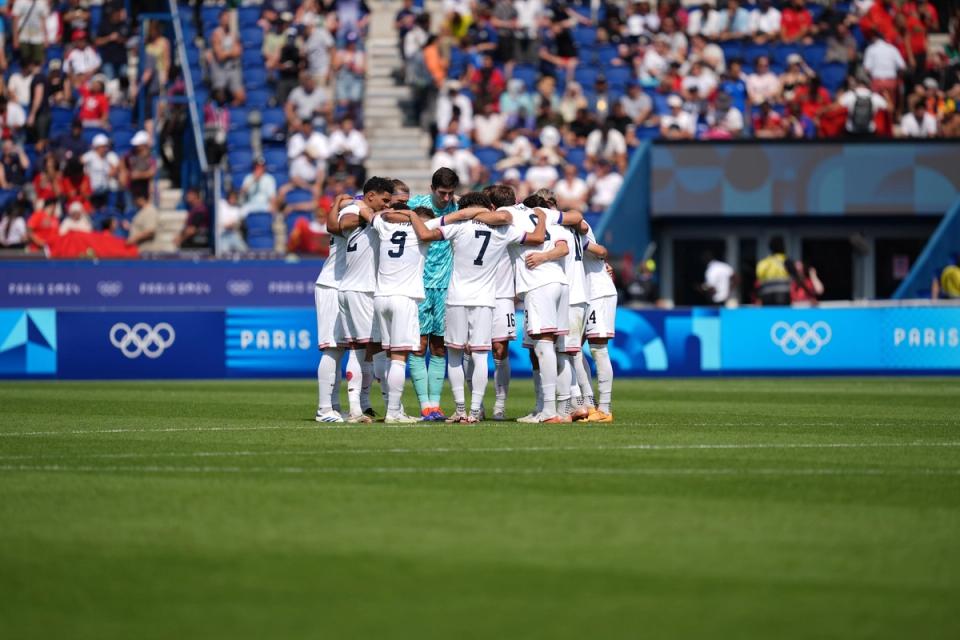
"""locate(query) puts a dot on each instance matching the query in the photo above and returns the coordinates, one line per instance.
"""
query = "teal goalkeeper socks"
(418, 373)
(435, 373)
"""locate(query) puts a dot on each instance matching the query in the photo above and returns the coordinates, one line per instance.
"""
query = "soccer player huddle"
(432, 281)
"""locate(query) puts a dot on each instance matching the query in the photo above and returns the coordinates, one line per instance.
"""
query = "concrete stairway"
(396, 151)
(170, 219)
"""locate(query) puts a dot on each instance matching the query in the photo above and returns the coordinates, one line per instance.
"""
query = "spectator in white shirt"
(76, 220)
(637, 104)
(704, 21)
(488, 127)
(763, 85)
(258, 189)
(701, 79)
(884, 63)
(307, 101)
(862, 106)
(606, 143)
(571, 190)
(765, 22)
(542, 175)
(462, 161)
(642, 20)
(308, 133)
(450, 99)
(230, 217)
(306, 172)
(919, 123)
(656, 60)
(678, 124)
(719, 280)
(102, 167)
(83, 61)
(12, 117)
(19, 83)
(604, 185)
(518, 150)
(723, 119)
(349, 142)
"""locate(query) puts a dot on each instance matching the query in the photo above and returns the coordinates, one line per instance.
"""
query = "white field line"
(469, 450)
(436, 426)
(576, 471)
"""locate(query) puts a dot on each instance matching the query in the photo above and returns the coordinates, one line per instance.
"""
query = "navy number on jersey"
(399, 238)
(533, 219)
(483, 248)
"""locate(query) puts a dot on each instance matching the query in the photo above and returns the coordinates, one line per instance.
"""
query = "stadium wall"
(240, 320)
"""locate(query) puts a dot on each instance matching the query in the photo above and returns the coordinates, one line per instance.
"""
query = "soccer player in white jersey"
(599, 327)
(399, 288)
(358, 332)
(477, 250)
(329, 329)
(540, 282)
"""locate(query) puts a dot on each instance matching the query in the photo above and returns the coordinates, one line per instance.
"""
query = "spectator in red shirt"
(75, 185)
(813, 98)
(796, 23)
(309, 236)
(487, 83)
(46, 183)
(196, 229)
(925, 10)
(768, 123)
(915, 32)
(94, 106)
(879, 19)
(43, 226)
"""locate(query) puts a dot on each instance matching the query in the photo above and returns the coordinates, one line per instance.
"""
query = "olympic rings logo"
(801, 337)
(142, 339)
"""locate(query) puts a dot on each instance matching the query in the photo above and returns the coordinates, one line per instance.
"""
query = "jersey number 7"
(483, 249)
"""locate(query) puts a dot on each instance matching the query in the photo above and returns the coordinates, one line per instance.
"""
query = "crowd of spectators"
(79, 123)
(534, 86)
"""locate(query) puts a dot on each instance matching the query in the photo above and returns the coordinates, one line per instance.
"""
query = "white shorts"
(469, 326)
(602, 317)
(356, 312)
(543, 312)
(398, 318)
(572, 342)
(329, 327)
(504, 320)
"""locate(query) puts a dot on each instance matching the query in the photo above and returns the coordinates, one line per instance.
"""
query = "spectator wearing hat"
(94, 105)
(571, 190)
(111, 41)
(461, 161)
(919, 123)
(604, 185)
(195, 233)
(28, 28)
(350, 66)
(102, 166)
(139, 167)
(83, 60)
(542, 175)
(76, 220)
(765, 22)
(677, 124)
(600, 101)
(258, 189)
(142, 229)
(796, 75)
(230, 216)
(763, 85)
(224, 59)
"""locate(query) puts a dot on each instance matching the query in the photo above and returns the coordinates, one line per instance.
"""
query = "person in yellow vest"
(949, 288)
(773, 275)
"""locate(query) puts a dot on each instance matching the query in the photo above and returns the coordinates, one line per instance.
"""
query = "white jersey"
(335, 265)
(360, 250)
(400, 269)
(526, 279)
(506, 286)
(477, 252)
(573, 264)
(599, 282)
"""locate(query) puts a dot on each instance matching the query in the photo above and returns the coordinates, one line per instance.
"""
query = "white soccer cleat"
(457, 417)
(360, 418)
(499, 415)
(329, 416)
(531, 418)
(400, 418)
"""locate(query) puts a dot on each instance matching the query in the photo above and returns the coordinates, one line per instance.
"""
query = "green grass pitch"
(710, 509)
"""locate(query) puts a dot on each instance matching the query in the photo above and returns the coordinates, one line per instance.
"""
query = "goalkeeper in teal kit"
(428, 380)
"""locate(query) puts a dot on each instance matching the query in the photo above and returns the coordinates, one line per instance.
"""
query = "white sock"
(456, 375)
(604, 377)
(366, 381)
(537, 390)
(381, 366)
(501, 380)
(468, 371)
(547, 356)
(395, 380)
(327, 378)
(584, 380)
(354, 379)
(479, 380)
(564, 380)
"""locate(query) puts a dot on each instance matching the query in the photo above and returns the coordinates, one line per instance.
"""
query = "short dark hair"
(424, 211)
(444, 178)
(534, 200)
(400, 185)
(501, 195)
(475, 199)
(777, 245)
(378, 185)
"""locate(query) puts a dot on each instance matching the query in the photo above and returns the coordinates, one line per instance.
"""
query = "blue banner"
(140, 344)
(265, 342)
(121, 284)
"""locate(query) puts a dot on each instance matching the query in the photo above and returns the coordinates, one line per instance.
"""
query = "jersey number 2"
(398, 238)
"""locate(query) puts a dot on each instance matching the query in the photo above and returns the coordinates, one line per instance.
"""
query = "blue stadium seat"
(783, 51)
(61, 117)
(120, 117)
(732, 50)
(488, 156)
(273, 124)
(528, 73)
(252, 37)
(255, 77)
(121, 139)
(752, 51)
(647, 133)
(606, 54)
(238, 118)
(7, 196)
(259, 98)
(210, 15)
(618, 77)
(252, 58)
(238, 140)
(298, 196)
(193, 55)
(814, 54)
(458, 62)
(276, 159)
(96, 15)
(248, 16)
(576, 156)
(586, 76)
(585, 36)
(832, 75)
(240, 159)
(54, 53)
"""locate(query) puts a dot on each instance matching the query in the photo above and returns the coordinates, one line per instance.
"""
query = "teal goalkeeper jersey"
(439, 263)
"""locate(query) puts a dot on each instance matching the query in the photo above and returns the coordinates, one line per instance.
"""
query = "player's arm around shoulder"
(539, 233)
(570, 218)
(495, 218)
(424, 233)
(335, 224)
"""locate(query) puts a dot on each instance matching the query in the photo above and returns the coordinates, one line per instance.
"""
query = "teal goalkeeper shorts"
(433, 312)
